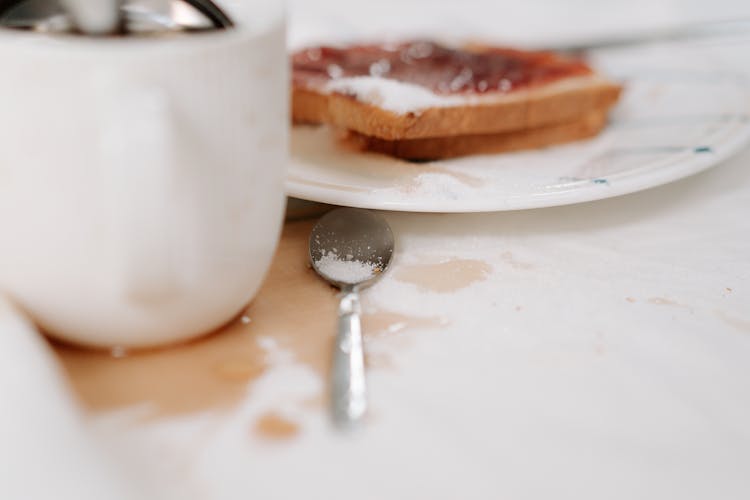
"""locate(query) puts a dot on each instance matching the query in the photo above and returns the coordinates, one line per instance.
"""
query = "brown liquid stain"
(273, 426)
(209, 373)
(508, 258)
(388, 322)
(294, 308)
(661, 301)
(384, 323)
(314, 402)
(445, 276)
(379, 360)
(742, 325)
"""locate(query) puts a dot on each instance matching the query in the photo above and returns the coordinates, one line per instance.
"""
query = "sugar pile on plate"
(396, 96)
(348, 270)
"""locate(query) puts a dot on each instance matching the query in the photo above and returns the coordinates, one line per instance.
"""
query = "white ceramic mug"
(141, 180)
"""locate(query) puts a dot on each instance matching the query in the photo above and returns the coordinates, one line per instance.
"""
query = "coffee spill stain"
(209, 373)
(508, 258)
(379, 361)
(445, 276)
(294, 308)
(273, 426)
(294, 311)
(314, 402)
(661, 301)
(380, 322)
(742, 325)
(390, 324)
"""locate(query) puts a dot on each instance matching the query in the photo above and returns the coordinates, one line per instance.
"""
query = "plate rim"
(658, 176)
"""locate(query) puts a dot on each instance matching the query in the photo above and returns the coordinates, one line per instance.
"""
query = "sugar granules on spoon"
(349, 270)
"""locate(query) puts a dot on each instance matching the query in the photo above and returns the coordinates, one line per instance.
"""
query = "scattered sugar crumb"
(267, 343)
(396, 96)
(349, 270)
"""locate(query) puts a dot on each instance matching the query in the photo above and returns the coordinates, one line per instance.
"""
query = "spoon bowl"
(351, 235)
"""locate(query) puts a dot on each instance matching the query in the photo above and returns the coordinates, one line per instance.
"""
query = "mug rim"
(248, 25)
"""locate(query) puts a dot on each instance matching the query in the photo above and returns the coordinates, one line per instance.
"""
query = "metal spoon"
(350, 248)
(113, 17)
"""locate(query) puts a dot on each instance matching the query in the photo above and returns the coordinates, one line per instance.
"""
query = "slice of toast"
(435, 148)
(394, 107)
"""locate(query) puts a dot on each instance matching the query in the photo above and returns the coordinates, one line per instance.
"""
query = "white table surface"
(604, 353)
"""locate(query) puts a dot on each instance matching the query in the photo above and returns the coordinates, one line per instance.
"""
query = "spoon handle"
(349, 392)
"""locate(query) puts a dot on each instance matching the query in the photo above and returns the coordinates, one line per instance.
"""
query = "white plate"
(676, 118)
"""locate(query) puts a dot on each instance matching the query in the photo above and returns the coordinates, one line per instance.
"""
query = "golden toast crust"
(532, 109)
(452, 146)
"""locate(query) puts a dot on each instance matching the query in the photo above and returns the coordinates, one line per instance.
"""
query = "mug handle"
(137, 145)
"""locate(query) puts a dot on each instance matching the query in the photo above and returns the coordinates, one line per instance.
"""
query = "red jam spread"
(442, 69)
